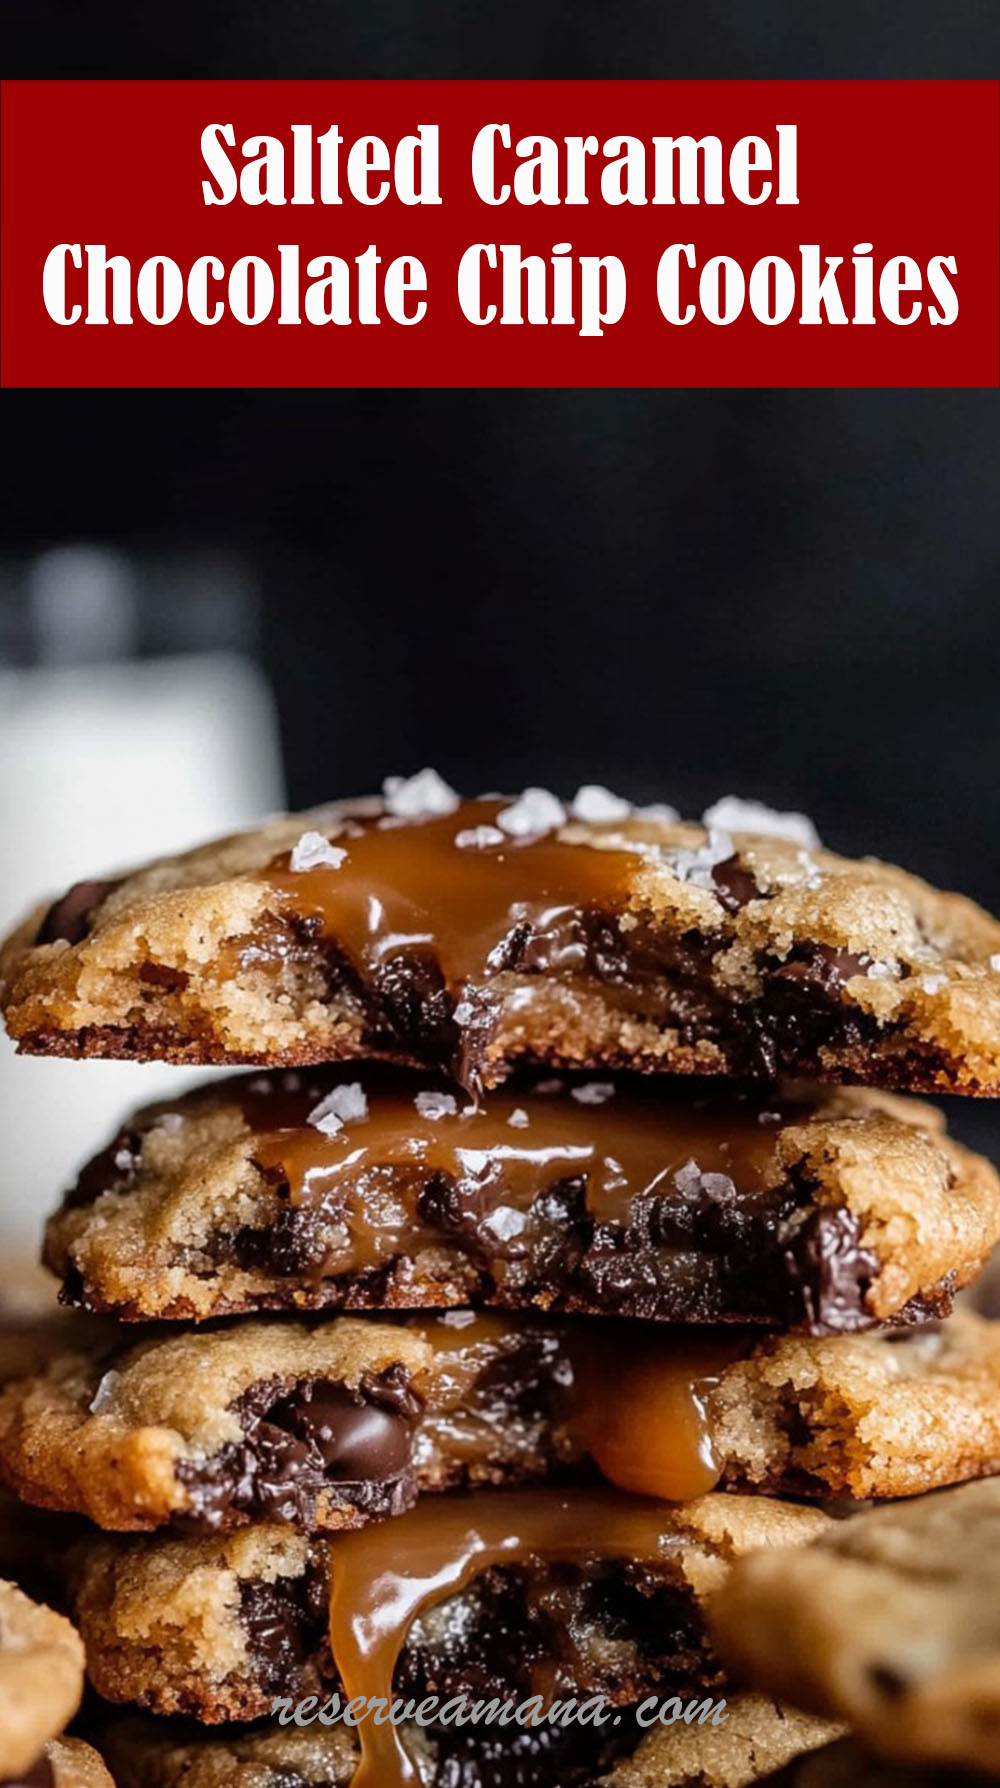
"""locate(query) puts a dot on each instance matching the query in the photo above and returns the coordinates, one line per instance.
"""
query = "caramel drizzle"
(631, 1146)
(406, 886)
(383, 1578)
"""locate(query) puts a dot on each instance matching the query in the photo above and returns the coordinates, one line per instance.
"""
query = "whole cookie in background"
(41, 1680)
(889, 1621)
(507, 931)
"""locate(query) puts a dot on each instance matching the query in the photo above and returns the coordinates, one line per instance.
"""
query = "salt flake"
(505, 1223)
(105, 1392)
(415, 797)
(597, 806)
(933, 983)
(594, 1092)
(478, 838)
(697, 865)
(536, 810)
(519, 1119)
(342, 1105)
(436, 1105)
(734, 815)
(995, 964)
(313, 851)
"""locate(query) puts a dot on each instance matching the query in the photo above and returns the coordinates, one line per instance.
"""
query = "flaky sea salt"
(933, 983)
(810, 869)
(995, 964)
(170, 1123)
(104, 1392)
(697, 865)
(555, 1085)
(597, 806)
(594, 1092)
(735, 815)
(659, 812)
(880, 971)
(436, 1105)
(479, 838)
(536, 810)
(505, 1223)
(313, 851)
(342, 1105)
(124, 1160)
(519, 1119)
(416, 797)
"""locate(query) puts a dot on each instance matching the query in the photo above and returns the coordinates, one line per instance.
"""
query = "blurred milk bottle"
(107, 758)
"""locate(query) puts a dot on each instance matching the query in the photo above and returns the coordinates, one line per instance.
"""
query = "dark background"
(788, 595)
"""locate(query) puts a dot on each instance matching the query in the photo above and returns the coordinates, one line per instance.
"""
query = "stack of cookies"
(562, 1250)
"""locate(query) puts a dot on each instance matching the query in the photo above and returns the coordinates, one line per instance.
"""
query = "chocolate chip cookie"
(364, 1188)
(331, 1426)
(41, 1679)
(890, 1621)
(478, 934)
(507, 1593)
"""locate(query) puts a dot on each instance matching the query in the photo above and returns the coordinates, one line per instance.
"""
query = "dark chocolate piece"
(300, 1443)
(67, 920)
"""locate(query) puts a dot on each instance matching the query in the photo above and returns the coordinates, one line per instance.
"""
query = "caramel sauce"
(640, 1410)
(384, 1577)
(405, 886)
(632, 1145)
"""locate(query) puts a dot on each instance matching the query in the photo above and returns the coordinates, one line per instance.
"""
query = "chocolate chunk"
(298, 1445)
(822, 966)
(295, 1243)
(735, 884)
(545, 1756)
(354, 1439)
(277, 1625)
(829, 1270)
(67, 919)
(116, 1169)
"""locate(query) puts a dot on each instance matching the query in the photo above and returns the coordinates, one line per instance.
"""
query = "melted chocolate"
(298, 1444)
(833, 1270)
(68, 919)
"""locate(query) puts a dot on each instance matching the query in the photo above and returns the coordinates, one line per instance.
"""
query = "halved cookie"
(482, 933)
(500, 1593)
(333, 1425)
(365, 1188)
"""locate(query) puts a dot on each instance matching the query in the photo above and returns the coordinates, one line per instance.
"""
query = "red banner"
(380, 233)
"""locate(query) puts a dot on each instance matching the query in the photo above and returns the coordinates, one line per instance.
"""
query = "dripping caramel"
(384, 1578)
